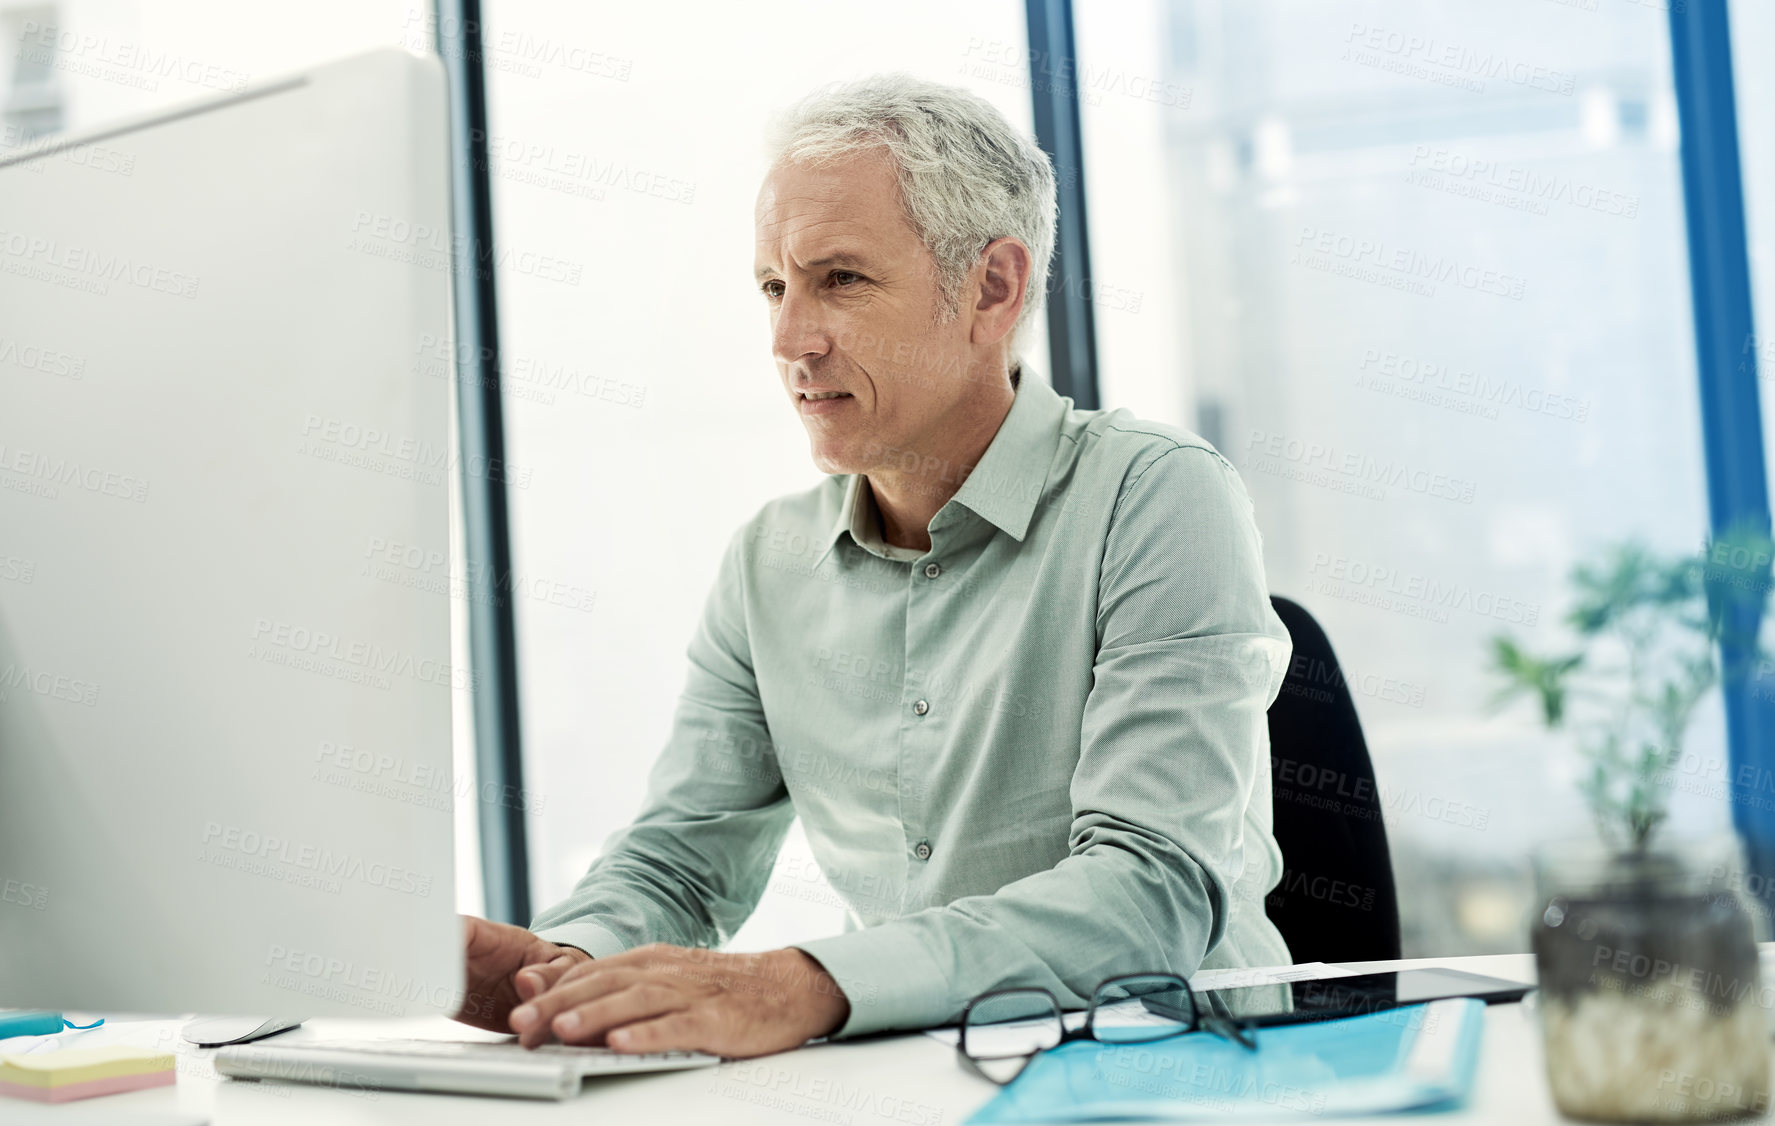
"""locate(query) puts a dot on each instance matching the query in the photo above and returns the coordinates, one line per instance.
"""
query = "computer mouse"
(213, 1032)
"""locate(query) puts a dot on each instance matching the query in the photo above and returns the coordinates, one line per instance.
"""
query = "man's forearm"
(1102, 912)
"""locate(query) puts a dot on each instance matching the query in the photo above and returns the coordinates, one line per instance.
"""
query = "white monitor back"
(225, 660)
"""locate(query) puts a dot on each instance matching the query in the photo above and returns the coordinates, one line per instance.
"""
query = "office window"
(1419, 270)
(68, 64)
(645, 418)
(1753, 24)
(33, 96)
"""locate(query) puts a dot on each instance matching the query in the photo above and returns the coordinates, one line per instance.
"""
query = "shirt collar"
(1007, 482)
(1012, 474)
(865, 520)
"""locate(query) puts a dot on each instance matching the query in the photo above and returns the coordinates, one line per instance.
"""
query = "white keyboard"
(553, 1071)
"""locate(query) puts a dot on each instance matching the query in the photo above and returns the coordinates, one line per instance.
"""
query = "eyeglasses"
(1003, 1030)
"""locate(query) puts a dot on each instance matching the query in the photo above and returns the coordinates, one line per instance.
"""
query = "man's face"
(855, 310)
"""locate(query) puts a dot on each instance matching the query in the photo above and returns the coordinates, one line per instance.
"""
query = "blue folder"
(1410, 1058)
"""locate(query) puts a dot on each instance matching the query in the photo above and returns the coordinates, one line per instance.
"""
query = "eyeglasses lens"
(1001, 1031)
(1135, 1009)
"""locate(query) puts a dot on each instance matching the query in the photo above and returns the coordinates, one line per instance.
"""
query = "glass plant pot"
(1651, 1005)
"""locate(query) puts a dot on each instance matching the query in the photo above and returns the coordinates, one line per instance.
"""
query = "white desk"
(907, 1080)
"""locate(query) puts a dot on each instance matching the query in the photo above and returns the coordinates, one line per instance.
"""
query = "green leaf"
(1525, 674)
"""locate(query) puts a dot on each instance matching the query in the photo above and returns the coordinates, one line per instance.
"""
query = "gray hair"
(966, 177)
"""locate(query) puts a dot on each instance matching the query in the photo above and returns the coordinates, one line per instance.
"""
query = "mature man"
(1009, 662)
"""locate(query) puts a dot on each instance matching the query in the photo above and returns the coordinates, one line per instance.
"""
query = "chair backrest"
(1336, 901)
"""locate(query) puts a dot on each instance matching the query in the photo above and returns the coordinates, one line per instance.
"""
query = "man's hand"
(508, 965)
(659, 998)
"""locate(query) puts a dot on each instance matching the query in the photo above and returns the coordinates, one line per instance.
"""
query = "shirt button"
(919, 707)
(931, 570)
(922, 850)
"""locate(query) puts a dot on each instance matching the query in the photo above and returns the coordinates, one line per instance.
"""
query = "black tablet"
(1328, 998)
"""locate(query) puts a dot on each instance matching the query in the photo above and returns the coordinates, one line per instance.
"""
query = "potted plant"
(1650, 1001)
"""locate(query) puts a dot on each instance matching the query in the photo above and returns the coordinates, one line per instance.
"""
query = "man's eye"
(845, 277)
(772, 289)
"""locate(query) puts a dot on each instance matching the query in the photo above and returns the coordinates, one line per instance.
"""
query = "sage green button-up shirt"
(1035, 754)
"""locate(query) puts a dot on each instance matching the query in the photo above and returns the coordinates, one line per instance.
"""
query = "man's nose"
(799, 331)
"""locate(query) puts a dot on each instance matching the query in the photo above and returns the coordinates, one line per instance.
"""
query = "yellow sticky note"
(82, 1065)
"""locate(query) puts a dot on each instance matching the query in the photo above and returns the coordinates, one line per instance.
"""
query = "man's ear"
(1002, 279)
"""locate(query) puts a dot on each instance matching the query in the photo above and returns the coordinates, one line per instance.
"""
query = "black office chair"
(1336, 901)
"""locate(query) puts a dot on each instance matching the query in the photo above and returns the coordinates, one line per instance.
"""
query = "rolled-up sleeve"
(1173, 746)
(694, 863)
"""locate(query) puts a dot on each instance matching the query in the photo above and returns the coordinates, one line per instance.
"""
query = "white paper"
(1266, 975)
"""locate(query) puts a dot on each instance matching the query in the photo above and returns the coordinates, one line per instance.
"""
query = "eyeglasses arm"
(1236, 1031)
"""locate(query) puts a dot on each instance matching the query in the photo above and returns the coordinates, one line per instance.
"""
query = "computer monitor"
(225, 652)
